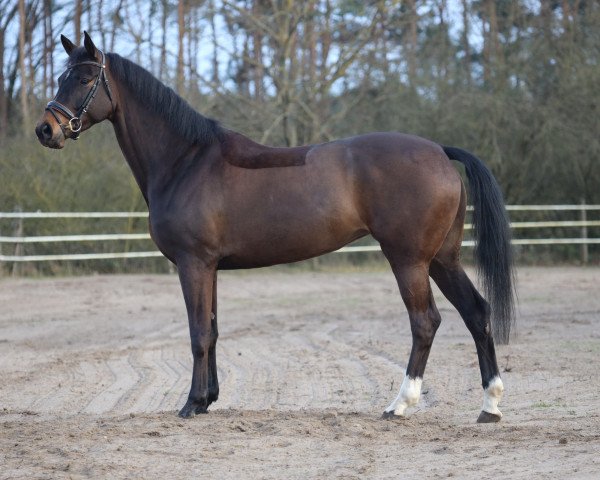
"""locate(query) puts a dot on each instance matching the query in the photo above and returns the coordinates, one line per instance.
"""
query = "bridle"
(74, 124)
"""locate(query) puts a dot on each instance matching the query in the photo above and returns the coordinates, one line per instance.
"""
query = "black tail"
(493, 251)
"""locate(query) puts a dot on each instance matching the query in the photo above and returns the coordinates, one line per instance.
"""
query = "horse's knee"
(201, 345)
(424, 327)
(197, 350)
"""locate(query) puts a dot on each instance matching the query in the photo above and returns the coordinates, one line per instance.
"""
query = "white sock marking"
(492, 396)
(409, 394)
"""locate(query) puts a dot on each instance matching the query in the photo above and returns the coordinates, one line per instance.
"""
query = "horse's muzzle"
(47, 136)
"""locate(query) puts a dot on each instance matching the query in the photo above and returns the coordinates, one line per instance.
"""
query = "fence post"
(18, 246)
(584, 234)
(1, 263)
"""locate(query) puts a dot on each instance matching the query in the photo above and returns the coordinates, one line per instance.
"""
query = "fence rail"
(20, 239)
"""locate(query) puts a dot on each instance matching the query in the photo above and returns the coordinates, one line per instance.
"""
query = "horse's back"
(398, 152)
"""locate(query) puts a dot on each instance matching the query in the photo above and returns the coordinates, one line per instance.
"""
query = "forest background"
(516, 82)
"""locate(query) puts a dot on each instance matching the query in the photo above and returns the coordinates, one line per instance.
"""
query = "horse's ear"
(67, 44)
(89, 45)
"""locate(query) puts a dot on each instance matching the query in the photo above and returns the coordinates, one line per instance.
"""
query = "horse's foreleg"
(424, 322)
(213, 379)
(197, 281)
(475, 311)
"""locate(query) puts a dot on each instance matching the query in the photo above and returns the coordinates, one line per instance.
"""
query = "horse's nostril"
(47, 131)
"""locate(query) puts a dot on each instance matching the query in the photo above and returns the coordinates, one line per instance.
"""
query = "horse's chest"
(179, 232)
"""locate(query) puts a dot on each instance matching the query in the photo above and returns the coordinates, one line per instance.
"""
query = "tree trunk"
(22, 67)
(291, 131)
(6, 15)
(465, 42)
(3, 102)
(411, 49)
(162, 66)
(51, 49)
(443, 60)
(493, 28)
(485, 54)
(215, 57)
(310, 68)
(150, 44)
(383, 28)
(88, 10)
(100, 22)
(77, 20)
(242, 78)
(257, 42)
(180, 37)
(493, 47)
(191, 46)
(31, 21)
(115, 24)
(326, 39)
(47, 53)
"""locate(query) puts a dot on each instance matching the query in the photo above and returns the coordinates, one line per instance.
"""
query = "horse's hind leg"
(449, 275)
(413, 281)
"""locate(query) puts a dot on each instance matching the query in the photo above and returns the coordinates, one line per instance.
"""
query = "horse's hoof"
(487, 417)
(191, 409)
(213, 396)
(185, 413)
(392, 416)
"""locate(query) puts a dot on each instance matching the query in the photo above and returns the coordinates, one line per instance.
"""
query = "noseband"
(74, 123)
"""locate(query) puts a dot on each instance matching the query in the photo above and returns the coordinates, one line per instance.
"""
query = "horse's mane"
(163, 101)
(193, 126)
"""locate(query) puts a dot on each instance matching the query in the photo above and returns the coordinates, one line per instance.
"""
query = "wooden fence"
(18, 240)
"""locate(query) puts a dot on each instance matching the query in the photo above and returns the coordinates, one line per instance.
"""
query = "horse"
(218, 200)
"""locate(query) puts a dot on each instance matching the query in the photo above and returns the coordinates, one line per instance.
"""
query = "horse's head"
(84, 96)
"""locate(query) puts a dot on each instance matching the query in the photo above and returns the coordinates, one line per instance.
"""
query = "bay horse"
(217, 200)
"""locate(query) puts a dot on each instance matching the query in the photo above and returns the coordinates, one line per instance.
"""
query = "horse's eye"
(84, 81)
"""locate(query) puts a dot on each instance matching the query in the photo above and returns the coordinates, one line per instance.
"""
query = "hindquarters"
(410, 193)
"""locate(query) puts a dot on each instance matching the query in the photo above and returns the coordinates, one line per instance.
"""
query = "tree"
(8, 10)
(77, 19)
(181, 30)
(22, 65)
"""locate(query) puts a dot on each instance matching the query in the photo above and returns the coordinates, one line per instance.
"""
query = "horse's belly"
(276, 252)
(274, 239)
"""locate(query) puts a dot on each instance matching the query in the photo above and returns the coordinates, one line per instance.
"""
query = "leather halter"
(74, 124)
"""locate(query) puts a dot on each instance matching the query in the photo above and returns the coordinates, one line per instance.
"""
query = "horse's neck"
(150, 148)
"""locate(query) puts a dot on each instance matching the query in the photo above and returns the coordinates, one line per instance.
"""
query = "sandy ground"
(93, 370)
